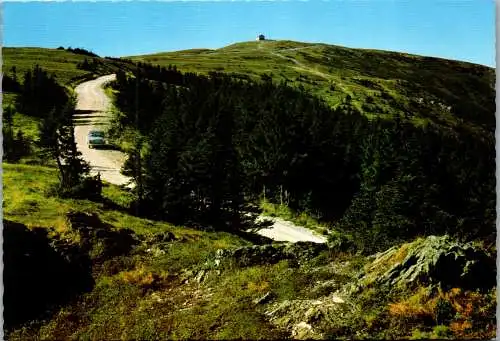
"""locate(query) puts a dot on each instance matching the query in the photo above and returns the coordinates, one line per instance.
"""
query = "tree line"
(78, 50)
(42, 97)
(215, 144)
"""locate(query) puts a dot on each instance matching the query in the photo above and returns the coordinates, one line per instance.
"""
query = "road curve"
(286, 231)
(92, 106)
(92, 112)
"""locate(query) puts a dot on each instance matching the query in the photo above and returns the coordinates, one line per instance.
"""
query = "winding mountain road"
(92, 113)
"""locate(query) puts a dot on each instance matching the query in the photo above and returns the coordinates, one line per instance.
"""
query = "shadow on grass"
(39, 276)
(105, 147)
(88, 122)
(254, 238)
(43, 273)
(110, 242)
(88, 116)
(84, 112)
(109, 204)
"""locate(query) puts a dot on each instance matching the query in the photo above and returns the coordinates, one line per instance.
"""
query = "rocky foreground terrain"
(431, 287)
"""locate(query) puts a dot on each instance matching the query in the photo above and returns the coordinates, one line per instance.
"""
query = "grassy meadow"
(378, 83)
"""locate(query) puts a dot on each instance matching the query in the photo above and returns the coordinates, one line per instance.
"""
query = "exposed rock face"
(268, 296)
(267, 254)
(432, 260)
(427, 261)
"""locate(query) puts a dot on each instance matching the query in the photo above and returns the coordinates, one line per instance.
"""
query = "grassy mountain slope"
(380, 83)
(61, 63)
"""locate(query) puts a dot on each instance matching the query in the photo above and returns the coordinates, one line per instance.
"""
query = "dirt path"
(286, 231)
(92, 106)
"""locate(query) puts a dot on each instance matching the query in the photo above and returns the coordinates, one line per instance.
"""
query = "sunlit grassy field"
(27, 200)
(378, 83)
(60, 63)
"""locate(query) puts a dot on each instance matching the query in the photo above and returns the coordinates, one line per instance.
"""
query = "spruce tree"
(8, 132)
(58, 140)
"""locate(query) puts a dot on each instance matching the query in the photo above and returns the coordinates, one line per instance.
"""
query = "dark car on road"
(96, 139)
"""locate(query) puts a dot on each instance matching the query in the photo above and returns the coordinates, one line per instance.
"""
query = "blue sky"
(455, 29)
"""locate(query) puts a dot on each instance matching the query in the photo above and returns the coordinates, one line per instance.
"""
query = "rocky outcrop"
(309, 319)
(438, 260)
(266, 254)
(432, 261)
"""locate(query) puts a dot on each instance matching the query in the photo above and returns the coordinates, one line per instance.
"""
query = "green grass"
(109, 91)
(8, 99)
(123, 138)
(28, 125)
(143, 295)
(60, 63)
(26, 200)
(119, 306)
(393, 80)
(123, 305)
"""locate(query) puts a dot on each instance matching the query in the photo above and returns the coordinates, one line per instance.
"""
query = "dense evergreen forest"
(216, 144)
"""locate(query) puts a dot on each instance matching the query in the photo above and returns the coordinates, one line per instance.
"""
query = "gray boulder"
(310, 318)
(438, 260)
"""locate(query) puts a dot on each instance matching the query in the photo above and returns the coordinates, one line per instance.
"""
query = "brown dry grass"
(473, 311)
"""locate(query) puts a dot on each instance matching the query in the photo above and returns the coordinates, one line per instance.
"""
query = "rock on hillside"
(424, 262)
(438, 260)
(310, 318)
(267, 254)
